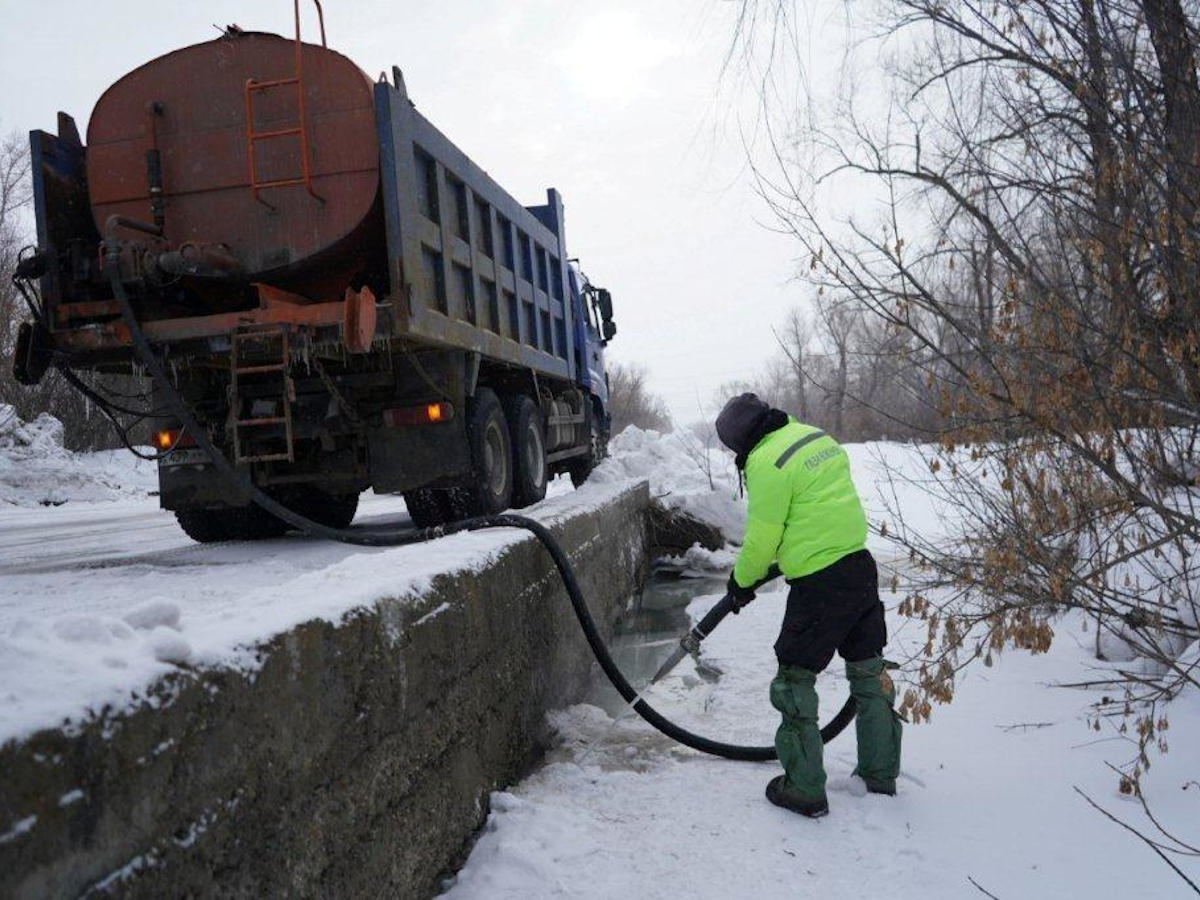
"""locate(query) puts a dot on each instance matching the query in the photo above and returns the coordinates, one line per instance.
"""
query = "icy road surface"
(84, 536)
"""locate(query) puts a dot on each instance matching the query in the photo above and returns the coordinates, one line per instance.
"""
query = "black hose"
(397, 539)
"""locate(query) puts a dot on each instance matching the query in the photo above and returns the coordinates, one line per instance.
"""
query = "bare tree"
(795, 340)
(14, 198)
(852, 375)
(837, 324)
(1037, 169)
(700, 444)
(631, 402)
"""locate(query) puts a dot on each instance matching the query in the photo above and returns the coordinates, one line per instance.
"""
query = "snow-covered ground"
(102, 593)
(987, 790)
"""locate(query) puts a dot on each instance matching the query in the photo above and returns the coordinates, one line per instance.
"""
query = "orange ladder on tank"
(300, 130)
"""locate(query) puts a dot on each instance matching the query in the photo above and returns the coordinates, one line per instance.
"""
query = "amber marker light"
(425, 414)
(172, 439)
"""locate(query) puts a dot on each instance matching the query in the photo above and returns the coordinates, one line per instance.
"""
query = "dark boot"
(781, 794)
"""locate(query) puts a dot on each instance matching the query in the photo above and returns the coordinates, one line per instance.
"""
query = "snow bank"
(35, 468)
(677, 467)
(891, 478)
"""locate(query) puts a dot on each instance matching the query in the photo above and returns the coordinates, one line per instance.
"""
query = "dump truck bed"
(469, 266)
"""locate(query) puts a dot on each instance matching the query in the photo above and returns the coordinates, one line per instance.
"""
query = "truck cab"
(595, 328)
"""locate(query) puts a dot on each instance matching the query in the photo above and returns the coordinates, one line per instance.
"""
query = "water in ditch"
(647, 633)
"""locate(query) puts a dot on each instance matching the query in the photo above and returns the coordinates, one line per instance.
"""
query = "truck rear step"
(260, 357)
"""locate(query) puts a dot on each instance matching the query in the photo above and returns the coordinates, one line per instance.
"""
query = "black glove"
(740, 595)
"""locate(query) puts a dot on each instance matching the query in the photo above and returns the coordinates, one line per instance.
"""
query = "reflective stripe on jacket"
(803, 508)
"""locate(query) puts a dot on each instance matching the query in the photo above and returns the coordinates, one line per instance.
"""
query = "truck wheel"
(205, 526)
(527, 431)
(255, 524)
(339, 510)
(429, 507)
(581, 468)
(490, 488)
(230, 523)
(330, 510)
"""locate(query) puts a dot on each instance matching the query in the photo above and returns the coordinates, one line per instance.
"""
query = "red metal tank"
(268, 146)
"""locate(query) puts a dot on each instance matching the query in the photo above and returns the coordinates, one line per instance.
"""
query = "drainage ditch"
(646, 634)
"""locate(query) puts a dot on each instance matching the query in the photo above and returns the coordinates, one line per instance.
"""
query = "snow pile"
(697, 561)
(891, 478)
(678, 468)
(36, 470)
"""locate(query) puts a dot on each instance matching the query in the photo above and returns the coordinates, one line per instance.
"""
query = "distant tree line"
(839, 368)
(631, 402)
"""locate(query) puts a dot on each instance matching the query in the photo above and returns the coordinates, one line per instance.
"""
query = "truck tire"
(340, 511)
(429, 507)
(330, 510)
(581, 468)
(229, 523)
(527, 431)
(490, 488)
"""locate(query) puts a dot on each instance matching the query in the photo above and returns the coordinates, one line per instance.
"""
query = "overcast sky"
(617, 103)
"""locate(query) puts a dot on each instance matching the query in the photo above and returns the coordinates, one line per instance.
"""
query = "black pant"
(837, 608)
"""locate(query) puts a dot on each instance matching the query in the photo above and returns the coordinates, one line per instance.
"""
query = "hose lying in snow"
(380, 538)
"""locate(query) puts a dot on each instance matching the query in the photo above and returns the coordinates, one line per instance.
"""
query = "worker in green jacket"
(804, 514)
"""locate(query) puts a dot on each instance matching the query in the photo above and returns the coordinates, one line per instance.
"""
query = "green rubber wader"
(798, 740)
(877, 724)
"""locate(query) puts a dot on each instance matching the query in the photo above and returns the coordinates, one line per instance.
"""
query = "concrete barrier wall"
(356, 761)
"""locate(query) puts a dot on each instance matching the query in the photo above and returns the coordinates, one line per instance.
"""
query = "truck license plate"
(191, 456)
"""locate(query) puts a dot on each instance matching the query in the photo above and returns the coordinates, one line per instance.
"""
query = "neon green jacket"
(804, 510)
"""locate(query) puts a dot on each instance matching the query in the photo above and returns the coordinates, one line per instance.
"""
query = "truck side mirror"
(604, 299)
(608, 329)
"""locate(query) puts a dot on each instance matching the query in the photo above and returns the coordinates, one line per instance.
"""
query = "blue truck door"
(589, 343)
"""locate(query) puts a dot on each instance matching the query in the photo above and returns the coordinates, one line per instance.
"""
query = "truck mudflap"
(187, 479)
(31, 357)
